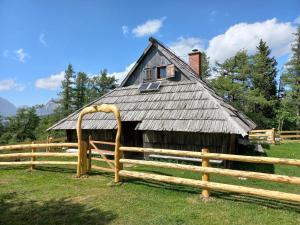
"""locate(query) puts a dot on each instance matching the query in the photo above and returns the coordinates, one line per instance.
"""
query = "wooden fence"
(206, 170)
(35, 153)
(289, 136)
(272, 136)
(84, 157)
(263, 136)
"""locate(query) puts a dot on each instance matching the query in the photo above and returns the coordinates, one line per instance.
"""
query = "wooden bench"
(184, 158)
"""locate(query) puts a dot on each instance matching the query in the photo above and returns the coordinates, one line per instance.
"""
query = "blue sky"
(38, 39)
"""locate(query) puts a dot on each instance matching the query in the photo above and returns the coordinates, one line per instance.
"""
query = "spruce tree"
(100, 85)
(289, 113)
(233, 81)
(67, 92)
(22, 126)
(263, 95)
(80, 90)
(205, 66)
(264, 71)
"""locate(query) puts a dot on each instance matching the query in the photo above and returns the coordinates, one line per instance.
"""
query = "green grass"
(51, 195)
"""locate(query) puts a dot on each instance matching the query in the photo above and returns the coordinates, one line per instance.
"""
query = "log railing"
(272, 136)
(289, 136)
(34, 155)
(263, 136)
(206, 170)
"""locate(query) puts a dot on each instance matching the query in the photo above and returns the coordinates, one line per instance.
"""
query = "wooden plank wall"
(186, 141)
(153, 59)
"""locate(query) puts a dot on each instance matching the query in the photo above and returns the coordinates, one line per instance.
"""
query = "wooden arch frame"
(82, 154)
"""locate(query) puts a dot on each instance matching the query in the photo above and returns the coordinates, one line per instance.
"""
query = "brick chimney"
(195, 61)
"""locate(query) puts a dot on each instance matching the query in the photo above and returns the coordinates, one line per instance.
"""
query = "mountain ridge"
(7, 108)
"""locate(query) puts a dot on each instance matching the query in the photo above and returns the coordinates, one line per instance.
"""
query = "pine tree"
(233, 81)
(67, 93)
(22, 126)
(205, 66)
(289, 113)
(80, 90)
(264, 71)
(100, 85)
(263, 95)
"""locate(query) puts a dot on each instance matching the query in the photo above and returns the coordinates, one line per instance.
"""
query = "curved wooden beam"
(81, 153)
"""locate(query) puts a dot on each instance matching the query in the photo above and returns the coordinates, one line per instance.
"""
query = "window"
(149, 74)
(161, 72)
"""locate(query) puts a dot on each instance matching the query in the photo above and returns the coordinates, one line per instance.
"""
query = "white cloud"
(121, 75)
(50, 83)
(182, 46)
(246, 36)
(10, 84)
(42, 39)
(149, 27)
(297, 20)
(125, 30)
(21, 55)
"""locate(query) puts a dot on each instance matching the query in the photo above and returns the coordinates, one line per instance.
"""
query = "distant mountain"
(47, 109)
(7, 108)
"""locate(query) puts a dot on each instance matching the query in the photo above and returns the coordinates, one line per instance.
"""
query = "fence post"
(205, 176)
(84, 157)
(49, 140)
(118, 164)
(33, 157)
(90, 154)
(273, 136)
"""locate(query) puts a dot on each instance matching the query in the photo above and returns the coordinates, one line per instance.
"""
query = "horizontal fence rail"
(241, 158)
(272, 136)
(212, 185)
(44, 145)
(37, 163)
(263, 136)
(289, 136)
(225, 172)
(34, 155)
(206, 170)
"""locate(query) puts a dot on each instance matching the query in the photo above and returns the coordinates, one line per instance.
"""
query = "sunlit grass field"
(52, 195)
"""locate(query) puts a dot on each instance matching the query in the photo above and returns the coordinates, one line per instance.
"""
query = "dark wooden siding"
(169, 140)
(154, 58)
(187, 141)
(103, 135)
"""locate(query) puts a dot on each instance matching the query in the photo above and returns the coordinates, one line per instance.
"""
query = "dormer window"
(161, 72)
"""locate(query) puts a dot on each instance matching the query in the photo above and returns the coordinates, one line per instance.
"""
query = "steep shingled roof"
(189, 106)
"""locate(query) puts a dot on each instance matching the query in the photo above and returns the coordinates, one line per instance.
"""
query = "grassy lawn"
(51, 195)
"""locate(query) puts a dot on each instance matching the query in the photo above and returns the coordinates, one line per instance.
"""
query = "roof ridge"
(152, 39)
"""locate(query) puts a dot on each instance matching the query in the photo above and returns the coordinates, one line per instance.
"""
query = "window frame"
(158, 76)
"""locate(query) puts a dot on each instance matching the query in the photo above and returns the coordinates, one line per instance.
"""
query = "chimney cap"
(194, 51)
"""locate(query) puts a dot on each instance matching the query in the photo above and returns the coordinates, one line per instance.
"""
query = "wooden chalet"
(164, 103)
